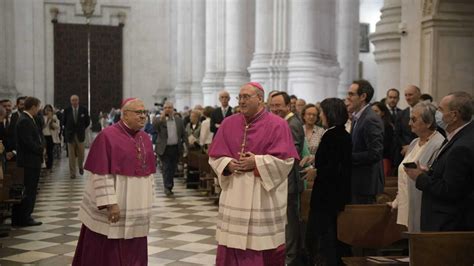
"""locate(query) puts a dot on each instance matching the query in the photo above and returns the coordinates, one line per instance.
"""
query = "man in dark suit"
(9, 124)
(169, 144)
(448, 185)
(367, 144)
(403, 134)
(220, 113)
(30, 150)
(281, 106)
(392, 99)
(75, 120)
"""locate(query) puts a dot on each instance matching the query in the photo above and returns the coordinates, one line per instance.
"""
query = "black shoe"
(32, 222)
(168, 192)
(73, 177)
(81, 171)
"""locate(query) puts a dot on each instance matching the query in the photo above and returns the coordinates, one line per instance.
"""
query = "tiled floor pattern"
(183, 226)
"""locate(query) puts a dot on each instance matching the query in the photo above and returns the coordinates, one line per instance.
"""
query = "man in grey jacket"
(169, 144)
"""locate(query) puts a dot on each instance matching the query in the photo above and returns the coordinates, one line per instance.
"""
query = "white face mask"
(439, 120)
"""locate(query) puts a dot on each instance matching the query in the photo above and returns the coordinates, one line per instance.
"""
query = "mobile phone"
(410, 165)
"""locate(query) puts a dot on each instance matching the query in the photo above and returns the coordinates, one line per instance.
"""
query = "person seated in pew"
(332, 186)
(422, 150)
(193, 129)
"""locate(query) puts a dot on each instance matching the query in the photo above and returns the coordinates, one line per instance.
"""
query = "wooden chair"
(441, 248)
(369, 226)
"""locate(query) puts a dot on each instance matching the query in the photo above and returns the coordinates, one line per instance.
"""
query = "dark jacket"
(332, 186)
(217, 118)
(8, 134)
(403, 135)
(367, 154)
(295, 183)
(388, 141)
(29, 145)
(448, 188)
(77, 128)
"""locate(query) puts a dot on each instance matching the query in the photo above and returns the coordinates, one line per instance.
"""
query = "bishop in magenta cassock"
(252, 155)
(118, 197)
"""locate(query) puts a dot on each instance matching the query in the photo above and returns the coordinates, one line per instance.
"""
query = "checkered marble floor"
(183, 226)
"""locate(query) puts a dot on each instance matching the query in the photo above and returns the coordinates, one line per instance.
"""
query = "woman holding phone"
(421, 150)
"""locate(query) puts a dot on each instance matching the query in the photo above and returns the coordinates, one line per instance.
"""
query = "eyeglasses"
(244, 97)
(139, 112)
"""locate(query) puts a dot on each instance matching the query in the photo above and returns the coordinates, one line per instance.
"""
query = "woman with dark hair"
(382, 110)
(51, 133)
(331, 189)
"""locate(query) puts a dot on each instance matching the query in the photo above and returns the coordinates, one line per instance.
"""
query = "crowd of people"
(265, 152)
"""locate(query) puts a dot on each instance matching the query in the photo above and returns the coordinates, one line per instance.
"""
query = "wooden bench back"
(441, 248)
(369, 226)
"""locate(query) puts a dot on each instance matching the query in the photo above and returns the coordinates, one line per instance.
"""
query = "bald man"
(221, 113)
(403, 134)
(76, 119)
(116, 209)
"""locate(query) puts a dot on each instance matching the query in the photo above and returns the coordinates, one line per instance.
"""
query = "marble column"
(198, 50)
(6, 49)
(269, 63)
(213, 80)
(184, 54)
(313, 70)
(239, 34)
(446, 41)
(279, 61)
(259, 67)
(386, 40)
(347, 43)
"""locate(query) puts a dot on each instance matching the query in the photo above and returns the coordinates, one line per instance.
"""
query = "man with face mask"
(448, 185)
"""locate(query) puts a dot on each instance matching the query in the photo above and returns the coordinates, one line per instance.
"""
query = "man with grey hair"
(448, 184)
(219, 114)
(169, 144)
(76, 119)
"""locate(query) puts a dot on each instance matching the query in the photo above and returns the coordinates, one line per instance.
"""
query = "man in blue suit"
(447, 203)
(367, 132)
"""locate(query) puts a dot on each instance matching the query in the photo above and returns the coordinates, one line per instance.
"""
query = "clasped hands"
(246, 163)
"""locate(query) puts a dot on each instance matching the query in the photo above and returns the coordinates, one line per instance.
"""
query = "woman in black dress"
(331, 189)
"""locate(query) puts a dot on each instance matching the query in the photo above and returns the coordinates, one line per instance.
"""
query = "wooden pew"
(305, 202)
(441, 248)
(193, 174)
(198, 161)
(369, 226)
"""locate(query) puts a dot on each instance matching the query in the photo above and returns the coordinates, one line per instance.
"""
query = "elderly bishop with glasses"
(252, 154)
(117, 203)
